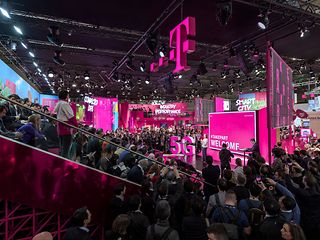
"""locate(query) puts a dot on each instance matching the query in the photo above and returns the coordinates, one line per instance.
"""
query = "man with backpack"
(162, 230)
(253, 209)
(218, 199)
(234, 220)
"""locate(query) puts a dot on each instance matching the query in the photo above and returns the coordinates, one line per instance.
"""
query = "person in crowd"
(162, 229)
(49, 130)
(81, 219)
(217, 231)
(238, 169)
(194, 226)
(290, 210)
(255, 150)
(94, 145)
(240, 190)
(308, 199)
(210, 174)
(119, 228)
(271, 226)
(12, 118)
(253, 201)
(3, 130)
(230, 214)
(291, 231)
(138, 221)
(117, 204)
(136, 173)
(65, 114)
(31, 132)
(43, 236)
(225, 158)
(204, 146)
(229, 177)
(218, 199)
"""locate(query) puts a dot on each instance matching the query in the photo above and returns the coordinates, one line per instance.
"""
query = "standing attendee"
(204, 146)
(291, 231)
(238, 169)
(225, 157)
(162, 229)
(65, 114)
(255, 148)
(81, 218)
(210, 174)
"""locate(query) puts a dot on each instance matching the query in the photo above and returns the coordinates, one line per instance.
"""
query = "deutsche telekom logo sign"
(180, 45)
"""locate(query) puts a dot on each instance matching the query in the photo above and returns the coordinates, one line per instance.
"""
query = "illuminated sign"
(91, 103)
(181, 46)
(245, 104)
(185, 146)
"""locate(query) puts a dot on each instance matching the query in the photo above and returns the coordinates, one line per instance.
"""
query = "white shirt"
(204, 143)
(64, 111)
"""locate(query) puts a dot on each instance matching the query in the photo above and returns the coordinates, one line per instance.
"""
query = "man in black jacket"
(211, 175)
(225, 157)
(81, 218)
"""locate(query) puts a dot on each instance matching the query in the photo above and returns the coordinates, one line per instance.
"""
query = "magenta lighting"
(304, 96)
(312, 95)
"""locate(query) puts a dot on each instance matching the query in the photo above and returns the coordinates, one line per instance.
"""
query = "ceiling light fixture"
(263, 22)
(18, 30)
(86, 76)
(57, 58)
(24, 45)
(35, 64)
(5, 12)
(53, 36)
(147, 80)
(162, 50)
(50, 73)
(143, 66)
(31, 54)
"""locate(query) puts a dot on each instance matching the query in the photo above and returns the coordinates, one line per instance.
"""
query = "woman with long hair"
(291, 231)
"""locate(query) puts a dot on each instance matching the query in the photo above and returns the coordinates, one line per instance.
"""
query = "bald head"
(43, 236)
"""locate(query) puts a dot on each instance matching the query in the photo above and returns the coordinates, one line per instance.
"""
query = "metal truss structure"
(20, 222)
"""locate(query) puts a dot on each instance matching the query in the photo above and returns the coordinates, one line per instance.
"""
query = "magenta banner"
(233, 128)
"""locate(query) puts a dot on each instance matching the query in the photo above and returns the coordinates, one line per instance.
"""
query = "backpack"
(218, 204)
(255, 215)
(231, 228)
(164, 236)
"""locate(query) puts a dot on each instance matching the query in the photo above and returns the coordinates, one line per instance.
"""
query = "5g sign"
(185, 145)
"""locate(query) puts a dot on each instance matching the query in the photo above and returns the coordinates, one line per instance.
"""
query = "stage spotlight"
(18, 30)
(162, 50)
(57, 58)
(147, 81)
(211, 84)
(5, 12)
(224, 11)
(237, 73)
(35, 64)
(304, 32)
(86, 76)
(263, 22)
(24, 45)
(152, 43)
(129, 63)
(74, 85)
(143, 66)
(202, 70)
(223, 75)
(53, 36)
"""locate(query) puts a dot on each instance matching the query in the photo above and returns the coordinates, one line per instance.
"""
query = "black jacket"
(225, 156)
(270, 228)
(135, 174)
(211, 175)
(76, 233)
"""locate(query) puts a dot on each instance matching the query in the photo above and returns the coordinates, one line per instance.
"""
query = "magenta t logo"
(180, 46)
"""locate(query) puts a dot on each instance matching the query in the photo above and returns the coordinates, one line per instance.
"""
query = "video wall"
(12, 83)
(252, 101)
(232, 128)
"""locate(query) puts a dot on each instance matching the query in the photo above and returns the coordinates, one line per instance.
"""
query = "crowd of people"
(256, 201)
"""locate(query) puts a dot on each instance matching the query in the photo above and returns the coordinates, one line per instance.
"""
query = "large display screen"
(49, 100)
(106, 113)
(233, 128)
(252, 101)
(12, 83)
(280, 91)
